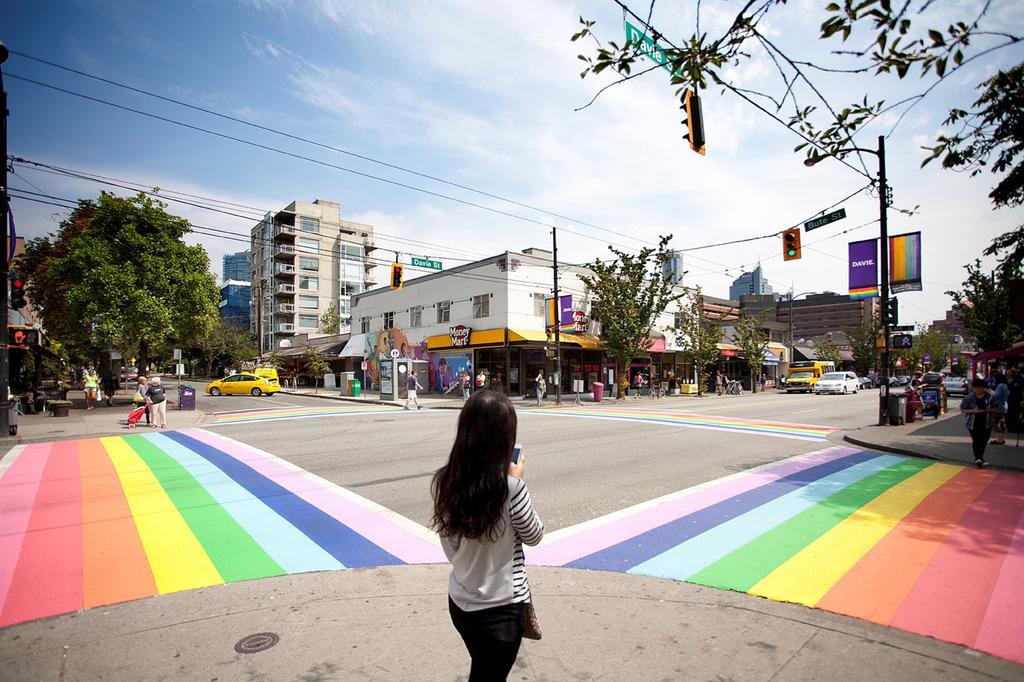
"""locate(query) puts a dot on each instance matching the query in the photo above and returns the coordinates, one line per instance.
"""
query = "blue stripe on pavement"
(344, 544)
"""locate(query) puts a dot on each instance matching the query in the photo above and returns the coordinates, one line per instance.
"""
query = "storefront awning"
(771, 358)
(355, 347)
(477, 339)
(584, 341)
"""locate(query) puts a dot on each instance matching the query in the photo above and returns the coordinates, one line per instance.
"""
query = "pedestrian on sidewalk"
(464, 381)
(110, 384)
(541, 386)
(413, 384)
(481, 380)
(719, 382)
(1014, 399)
(483, 514)
(999, 407)
(91, 384)
(639, 382)
(156, 397)
(978, 417)
(140, 396)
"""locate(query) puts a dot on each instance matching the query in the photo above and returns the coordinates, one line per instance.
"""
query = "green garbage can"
(357, 387)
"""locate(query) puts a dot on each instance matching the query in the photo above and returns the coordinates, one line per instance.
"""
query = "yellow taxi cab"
(244, 383)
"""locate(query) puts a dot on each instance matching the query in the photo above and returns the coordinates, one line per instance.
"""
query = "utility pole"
(5, 380)
(883, 205)
(558, 319)
(259, 318)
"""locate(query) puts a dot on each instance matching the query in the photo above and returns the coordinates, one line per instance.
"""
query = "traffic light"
(891, 314)
(791, 244)
(22, 337)
(397, 270)
(694, 122)
(17, 292)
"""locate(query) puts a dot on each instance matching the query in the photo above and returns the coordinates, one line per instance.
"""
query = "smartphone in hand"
(516, 451)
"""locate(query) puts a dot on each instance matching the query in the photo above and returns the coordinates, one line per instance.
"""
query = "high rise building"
(820, 314)
(234, 303)
(673, 268)
(306, 258)
(750, 283)
(236, 267)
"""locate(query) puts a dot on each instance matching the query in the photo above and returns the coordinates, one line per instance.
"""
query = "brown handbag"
(531, 626)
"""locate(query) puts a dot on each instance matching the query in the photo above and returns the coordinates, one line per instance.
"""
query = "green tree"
(330, 321)
(117, 269)
(314, 365)
(827, 351)
(864, 347)
(226, 344)
(697, 336)
(751, 338)
(274, 359)
(983, 307)
(629, 292)
(935, 344)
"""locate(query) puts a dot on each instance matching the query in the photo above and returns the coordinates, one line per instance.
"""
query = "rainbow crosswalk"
(287, 414)
(935, 549)
(93, 522)
(696, 421)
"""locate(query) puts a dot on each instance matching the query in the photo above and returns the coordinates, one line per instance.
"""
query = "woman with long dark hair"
(484, 514)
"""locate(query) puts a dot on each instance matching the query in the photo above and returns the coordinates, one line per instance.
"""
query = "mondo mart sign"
(459, 335)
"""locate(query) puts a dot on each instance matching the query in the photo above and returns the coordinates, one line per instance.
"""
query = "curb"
(911, 453)
(365, 401)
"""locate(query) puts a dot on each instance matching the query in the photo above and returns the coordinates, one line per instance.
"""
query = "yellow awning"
(521, 335)
(585, 341)
(486, 337)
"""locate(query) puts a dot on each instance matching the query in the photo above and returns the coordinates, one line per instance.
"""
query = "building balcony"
(285, 251)
(285, 290)
(284, 270)
(284, 231)
(286, 308)
(284, 328)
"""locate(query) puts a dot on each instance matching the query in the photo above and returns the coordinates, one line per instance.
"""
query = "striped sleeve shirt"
(487, 574)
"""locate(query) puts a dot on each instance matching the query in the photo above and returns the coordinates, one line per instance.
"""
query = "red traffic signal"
(397, 273)
(791, 244)
(18, 292)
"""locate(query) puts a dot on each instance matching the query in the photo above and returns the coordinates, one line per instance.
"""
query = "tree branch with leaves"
(751, 337)
(697, 336)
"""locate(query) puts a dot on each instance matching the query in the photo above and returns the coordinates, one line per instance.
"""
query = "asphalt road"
(577, 468)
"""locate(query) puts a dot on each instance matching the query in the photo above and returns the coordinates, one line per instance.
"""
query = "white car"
(837, 382)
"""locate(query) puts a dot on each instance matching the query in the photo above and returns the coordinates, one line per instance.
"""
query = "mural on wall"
(380, 344)
(445, 370)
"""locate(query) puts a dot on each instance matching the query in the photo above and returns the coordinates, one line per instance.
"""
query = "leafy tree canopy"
(330, 321)
(225, 345)
(698, 336)
(827, 351)
(983, 306)
(118, 271)
(751, 337)
(314, 364)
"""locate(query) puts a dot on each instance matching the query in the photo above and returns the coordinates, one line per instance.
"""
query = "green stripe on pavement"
(231, 549)
(748, 565)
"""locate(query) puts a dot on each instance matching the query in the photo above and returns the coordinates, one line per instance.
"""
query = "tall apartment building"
(305, 258)
(235, 266)
(673, 268)
(750, 283)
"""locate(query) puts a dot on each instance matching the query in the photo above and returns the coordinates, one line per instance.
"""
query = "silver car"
(837, 382)
(956, 385)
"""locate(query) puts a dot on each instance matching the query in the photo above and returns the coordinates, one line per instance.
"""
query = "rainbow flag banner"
(93, 522)
(930, 548)
(905, 262)
(284, 414)
(696, 421)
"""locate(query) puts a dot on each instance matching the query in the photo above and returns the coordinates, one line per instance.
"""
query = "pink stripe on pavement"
(389, 536)
(574, 546)
(18, 489)
(1002, 628)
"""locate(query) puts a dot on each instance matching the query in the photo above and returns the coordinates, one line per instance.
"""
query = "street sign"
(902, 341)
(647, 47)
(426, 263)
(177, 354)
(903, 328)
(824, 220)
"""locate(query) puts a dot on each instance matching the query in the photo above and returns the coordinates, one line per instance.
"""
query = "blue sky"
(482, 95)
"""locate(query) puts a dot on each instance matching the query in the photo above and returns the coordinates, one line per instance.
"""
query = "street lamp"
(883, 205)
(792, 345)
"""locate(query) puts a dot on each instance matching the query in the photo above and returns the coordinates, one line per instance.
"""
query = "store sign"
(460, 335)
(580, 321)
(729, 353)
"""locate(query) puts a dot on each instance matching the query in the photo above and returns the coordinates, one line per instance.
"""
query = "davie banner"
(864, 268)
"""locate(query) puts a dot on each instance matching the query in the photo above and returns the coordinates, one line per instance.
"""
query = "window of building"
(351, 271)
(307, 245)
(309, 321)
(309, 224)
(482, 305)
(309, 283)
(352, 252)
(307, 263)
(351, 288)
(345, 308)
(538, 305)
(389, 320)
(679, 319)
(309, 302)
(364, 325)
(444, 311)
(416, 316)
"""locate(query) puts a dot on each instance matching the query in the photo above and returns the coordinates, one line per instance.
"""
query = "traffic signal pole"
(883, 207)
(5, 380)
(558, 319)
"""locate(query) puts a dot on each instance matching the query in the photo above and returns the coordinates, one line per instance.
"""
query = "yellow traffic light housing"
(694, 122)
(397, 272)
(791, 244)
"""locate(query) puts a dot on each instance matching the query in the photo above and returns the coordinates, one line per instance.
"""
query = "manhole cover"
(253, 644)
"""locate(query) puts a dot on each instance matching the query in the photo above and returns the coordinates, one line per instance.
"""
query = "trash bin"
(598, 391)
(896, 407)
(186, 397)
(914, 407)
(357, 387)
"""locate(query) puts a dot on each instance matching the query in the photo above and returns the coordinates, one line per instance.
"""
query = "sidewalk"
(392, 624)
(944, 439)
(102, 421)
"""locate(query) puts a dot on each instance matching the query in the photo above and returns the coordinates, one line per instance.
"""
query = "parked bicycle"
(733, 388)
(657, 391)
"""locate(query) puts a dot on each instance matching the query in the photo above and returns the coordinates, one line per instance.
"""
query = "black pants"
(979, 439)
(492, 637)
